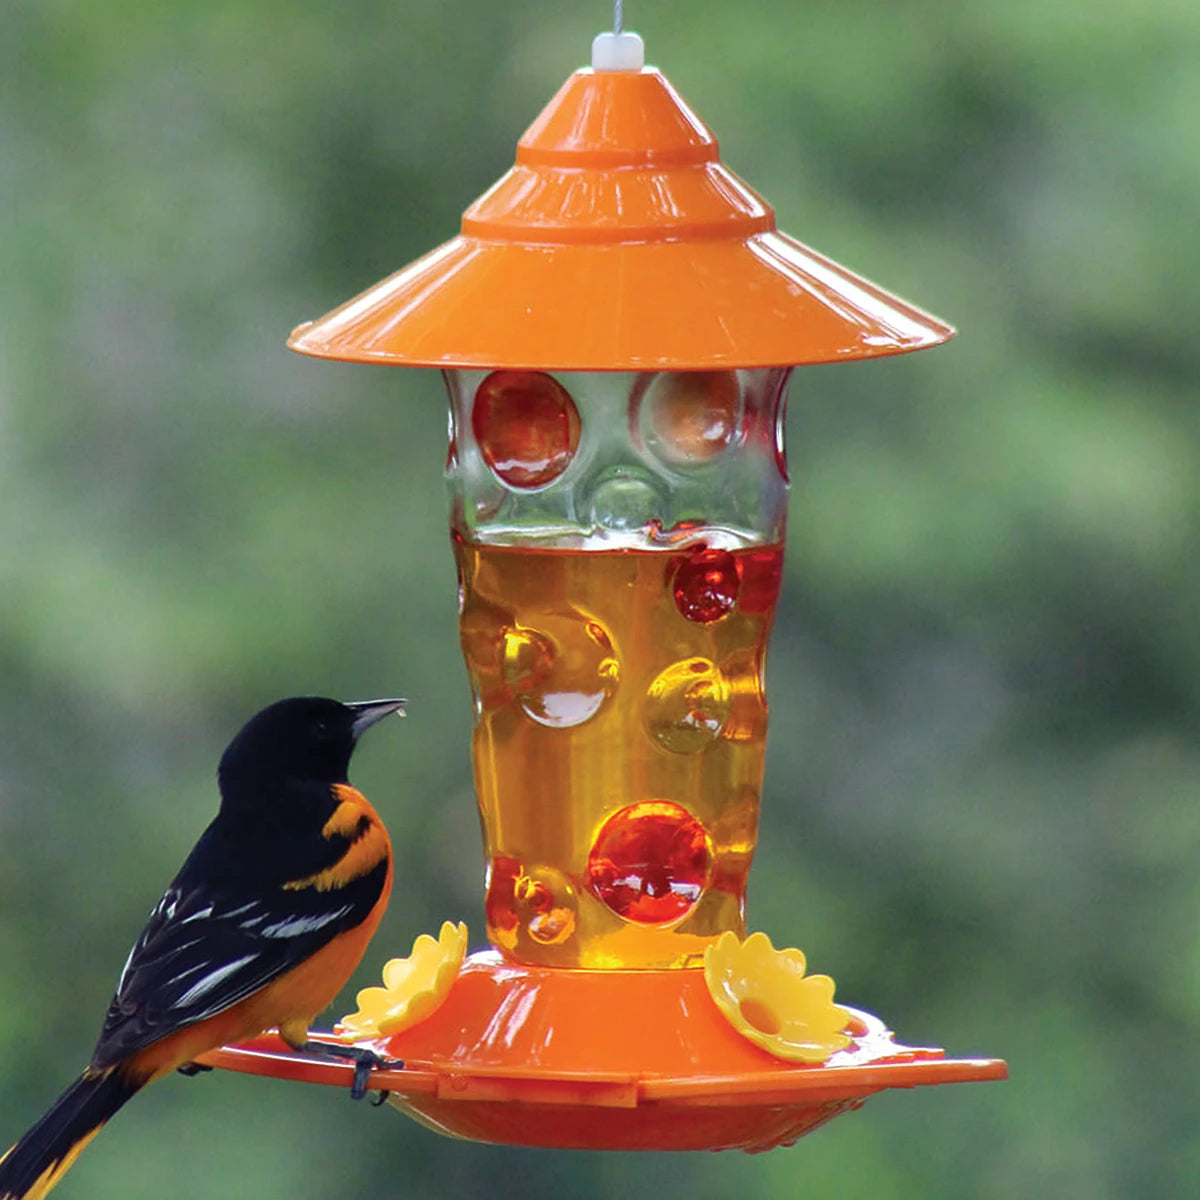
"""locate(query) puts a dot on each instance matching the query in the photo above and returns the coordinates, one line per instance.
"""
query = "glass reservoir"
(619, 543)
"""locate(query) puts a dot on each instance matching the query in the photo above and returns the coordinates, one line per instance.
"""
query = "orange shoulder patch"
(355, 819)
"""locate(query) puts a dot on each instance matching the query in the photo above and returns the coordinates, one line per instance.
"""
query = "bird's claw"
(365, 1061)
(193, 1068)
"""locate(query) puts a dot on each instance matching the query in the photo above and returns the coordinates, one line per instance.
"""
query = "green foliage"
(980, 814)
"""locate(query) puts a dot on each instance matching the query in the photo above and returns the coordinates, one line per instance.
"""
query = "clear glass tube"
(619, 540)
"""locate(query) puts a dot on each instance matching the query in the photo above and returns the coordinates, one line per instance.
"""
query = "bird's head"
(308, 739)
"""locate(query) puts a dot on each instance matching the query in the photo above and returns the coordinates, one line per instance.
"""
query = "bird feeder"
(616, 324)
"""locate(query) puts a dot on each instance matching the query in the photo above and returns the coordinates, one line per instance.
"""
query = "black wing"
(206, 947)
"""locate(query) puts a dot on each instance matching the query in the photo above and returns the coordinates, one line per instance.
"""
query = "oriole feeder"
(616, 323)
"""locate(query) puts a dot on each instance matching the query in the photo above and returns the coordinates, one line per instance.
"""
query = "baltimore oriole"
(260, 929)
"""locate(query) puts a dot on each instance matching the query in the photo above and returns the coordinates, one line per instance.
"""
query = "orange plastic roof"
(619, 241)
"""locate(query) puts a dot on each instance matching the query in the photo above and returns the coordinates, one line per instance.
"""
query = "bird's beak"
(367, 712)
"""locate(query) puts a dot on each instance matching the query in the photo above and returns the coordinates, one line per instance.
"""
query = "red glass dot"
(527, 427)
(500, 903)
(692, 416)
(650, 862)
(762, 571)
(706, 585)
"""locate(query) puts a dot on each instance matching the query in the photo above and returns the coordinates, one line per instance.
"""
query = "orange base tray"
(610, 1060)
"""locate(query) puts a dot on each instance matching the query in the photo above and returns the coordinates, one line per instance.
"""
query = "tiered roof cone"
(619, 241)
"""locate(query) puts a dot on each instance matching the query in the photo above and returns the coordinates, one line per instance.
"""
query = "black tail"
(39, 1160)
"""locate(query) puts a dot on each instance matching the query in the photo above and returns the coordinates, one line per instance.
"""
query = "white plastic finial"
(618, 52)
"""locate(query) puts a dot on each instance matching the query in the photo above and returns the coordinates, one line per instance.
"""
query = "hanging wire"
(618, 16)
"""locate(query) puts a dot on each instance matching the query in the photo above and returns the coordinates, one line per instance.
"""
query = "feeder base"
(611, 1060)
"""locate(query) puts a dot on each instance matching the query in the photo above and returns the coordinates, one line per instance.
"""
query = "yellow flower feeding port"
(413, 987)
(616, 323)
(766, 996)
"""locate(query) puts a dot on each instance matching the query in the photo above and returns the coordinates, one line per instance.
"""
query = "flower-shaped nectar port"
(766, 996)
(413, 987)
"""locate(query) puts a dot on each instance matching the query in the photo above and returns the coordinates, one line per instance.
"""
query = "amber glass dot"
(687, 705)
(706, 586)
(483, 631)
(570, 669)
(650, 862)
(546, 903)
(527, 427)
(528, 658)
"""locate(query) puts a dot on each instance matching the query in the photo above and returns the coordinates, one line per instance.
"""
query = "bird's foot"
(193, 1068)
(365, 1061)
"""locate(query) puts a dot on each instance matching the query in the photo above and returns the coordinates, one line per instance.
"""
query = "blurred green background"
(980, 812)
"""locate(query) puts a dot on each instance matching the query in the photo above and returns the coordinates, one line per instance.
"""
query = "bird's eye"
(322, 731)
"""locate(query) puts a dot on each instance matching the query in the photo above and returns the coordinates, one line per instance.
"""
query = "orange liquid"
(618, 747)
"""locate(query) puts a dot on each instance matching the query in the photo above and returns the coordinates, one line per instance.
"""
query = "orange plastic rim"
(619, 241)
(542, 1056)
